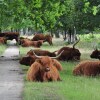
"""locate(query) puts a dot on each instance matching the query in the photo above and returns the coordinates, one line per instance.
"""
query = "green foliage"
(48, 15)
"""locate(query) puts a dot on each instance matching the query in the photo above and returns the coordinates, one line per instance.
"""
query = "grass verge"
(2, 48)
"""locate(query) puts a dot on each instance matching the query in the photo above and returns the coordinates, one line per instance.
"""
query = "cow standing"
(10, 35)
(46, 38)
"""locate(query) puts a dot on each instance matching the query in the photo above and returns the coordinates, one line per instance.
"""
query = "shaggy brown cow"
(10, 35)
(27, 60)
(3, 40)
(30, 58)
(40, 52)
(69, 53)
(46, 38)
(27, 43)
(22, 40)
(95, 54)
(87, 68)
(44, 69)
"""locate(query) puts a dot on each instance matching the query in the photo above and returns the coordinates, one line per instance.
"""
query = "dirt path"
(11, 77)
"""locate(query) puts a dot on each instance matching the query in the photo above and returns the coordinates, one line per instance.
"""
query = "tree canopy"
(49, 15)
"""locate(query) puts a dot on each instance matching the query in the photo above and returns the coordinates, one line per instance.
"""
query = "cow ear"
(39, 61)
(57, 64)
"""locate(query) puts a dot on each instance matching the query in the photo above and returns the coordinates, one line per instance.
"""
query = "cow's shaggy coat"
(87, 68)
(44, 69)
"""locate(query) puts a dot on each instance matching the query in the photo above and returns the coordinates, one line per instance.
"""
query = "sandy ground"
(11, 77)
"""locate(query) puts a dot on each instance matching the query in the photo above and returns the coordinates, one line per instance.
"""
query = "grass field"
(2, 48)
(71, 87)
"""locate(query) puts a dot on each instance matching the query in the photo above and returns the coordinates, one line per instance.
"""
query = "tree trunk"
(57, 34)
(0, 30)
(69, 35)
(65, 32)
(51, 33)
(12, 30)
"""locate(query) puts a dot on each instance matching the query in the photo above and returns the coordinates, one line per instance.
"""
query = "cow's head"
(48, 38)
(46, 62)
(39, 43)
(75, 54)
(95, 54)
(27, 60)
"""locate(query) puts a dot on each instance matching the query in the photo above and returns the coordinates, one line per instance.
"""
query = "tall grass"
(2, 48)
(71, 87)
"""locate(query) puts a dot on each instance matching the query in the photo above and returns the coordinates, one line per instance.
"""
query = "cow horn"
(57, 55)
(36, 55)
(76, 42)
(50, 57)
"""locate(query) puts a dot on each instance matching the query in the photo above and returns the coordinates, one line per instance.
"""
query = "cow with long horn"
(70, 53)
(30, 58)
(44, 69)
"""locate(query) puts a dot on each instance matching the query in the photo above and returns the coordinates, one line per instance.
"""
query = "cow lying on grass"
(3, 40)
(27, 43)
(27, 60)
(22, 39)
(40, 52)
(30, 58)
(87, 68)
(44, 69)
(95, 54)
(69, 53)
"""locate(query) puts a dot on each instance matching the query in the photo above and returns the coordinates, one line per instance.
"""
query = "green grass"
(71, 87)
(2, 48)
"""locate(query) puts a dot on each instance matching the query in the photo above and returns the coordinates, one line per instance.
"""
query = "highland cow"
(46, 38)
(27, 60)
(30, 58)
(27, 43)
(10, 35)
(40, 52)
(3, 40)
(69, 53)
(87, 68)
(44, 69)
(95, 54)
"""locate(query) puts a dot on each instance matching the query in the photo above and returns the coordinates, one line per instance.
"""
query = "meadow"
(71, 87)
(2, 48)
